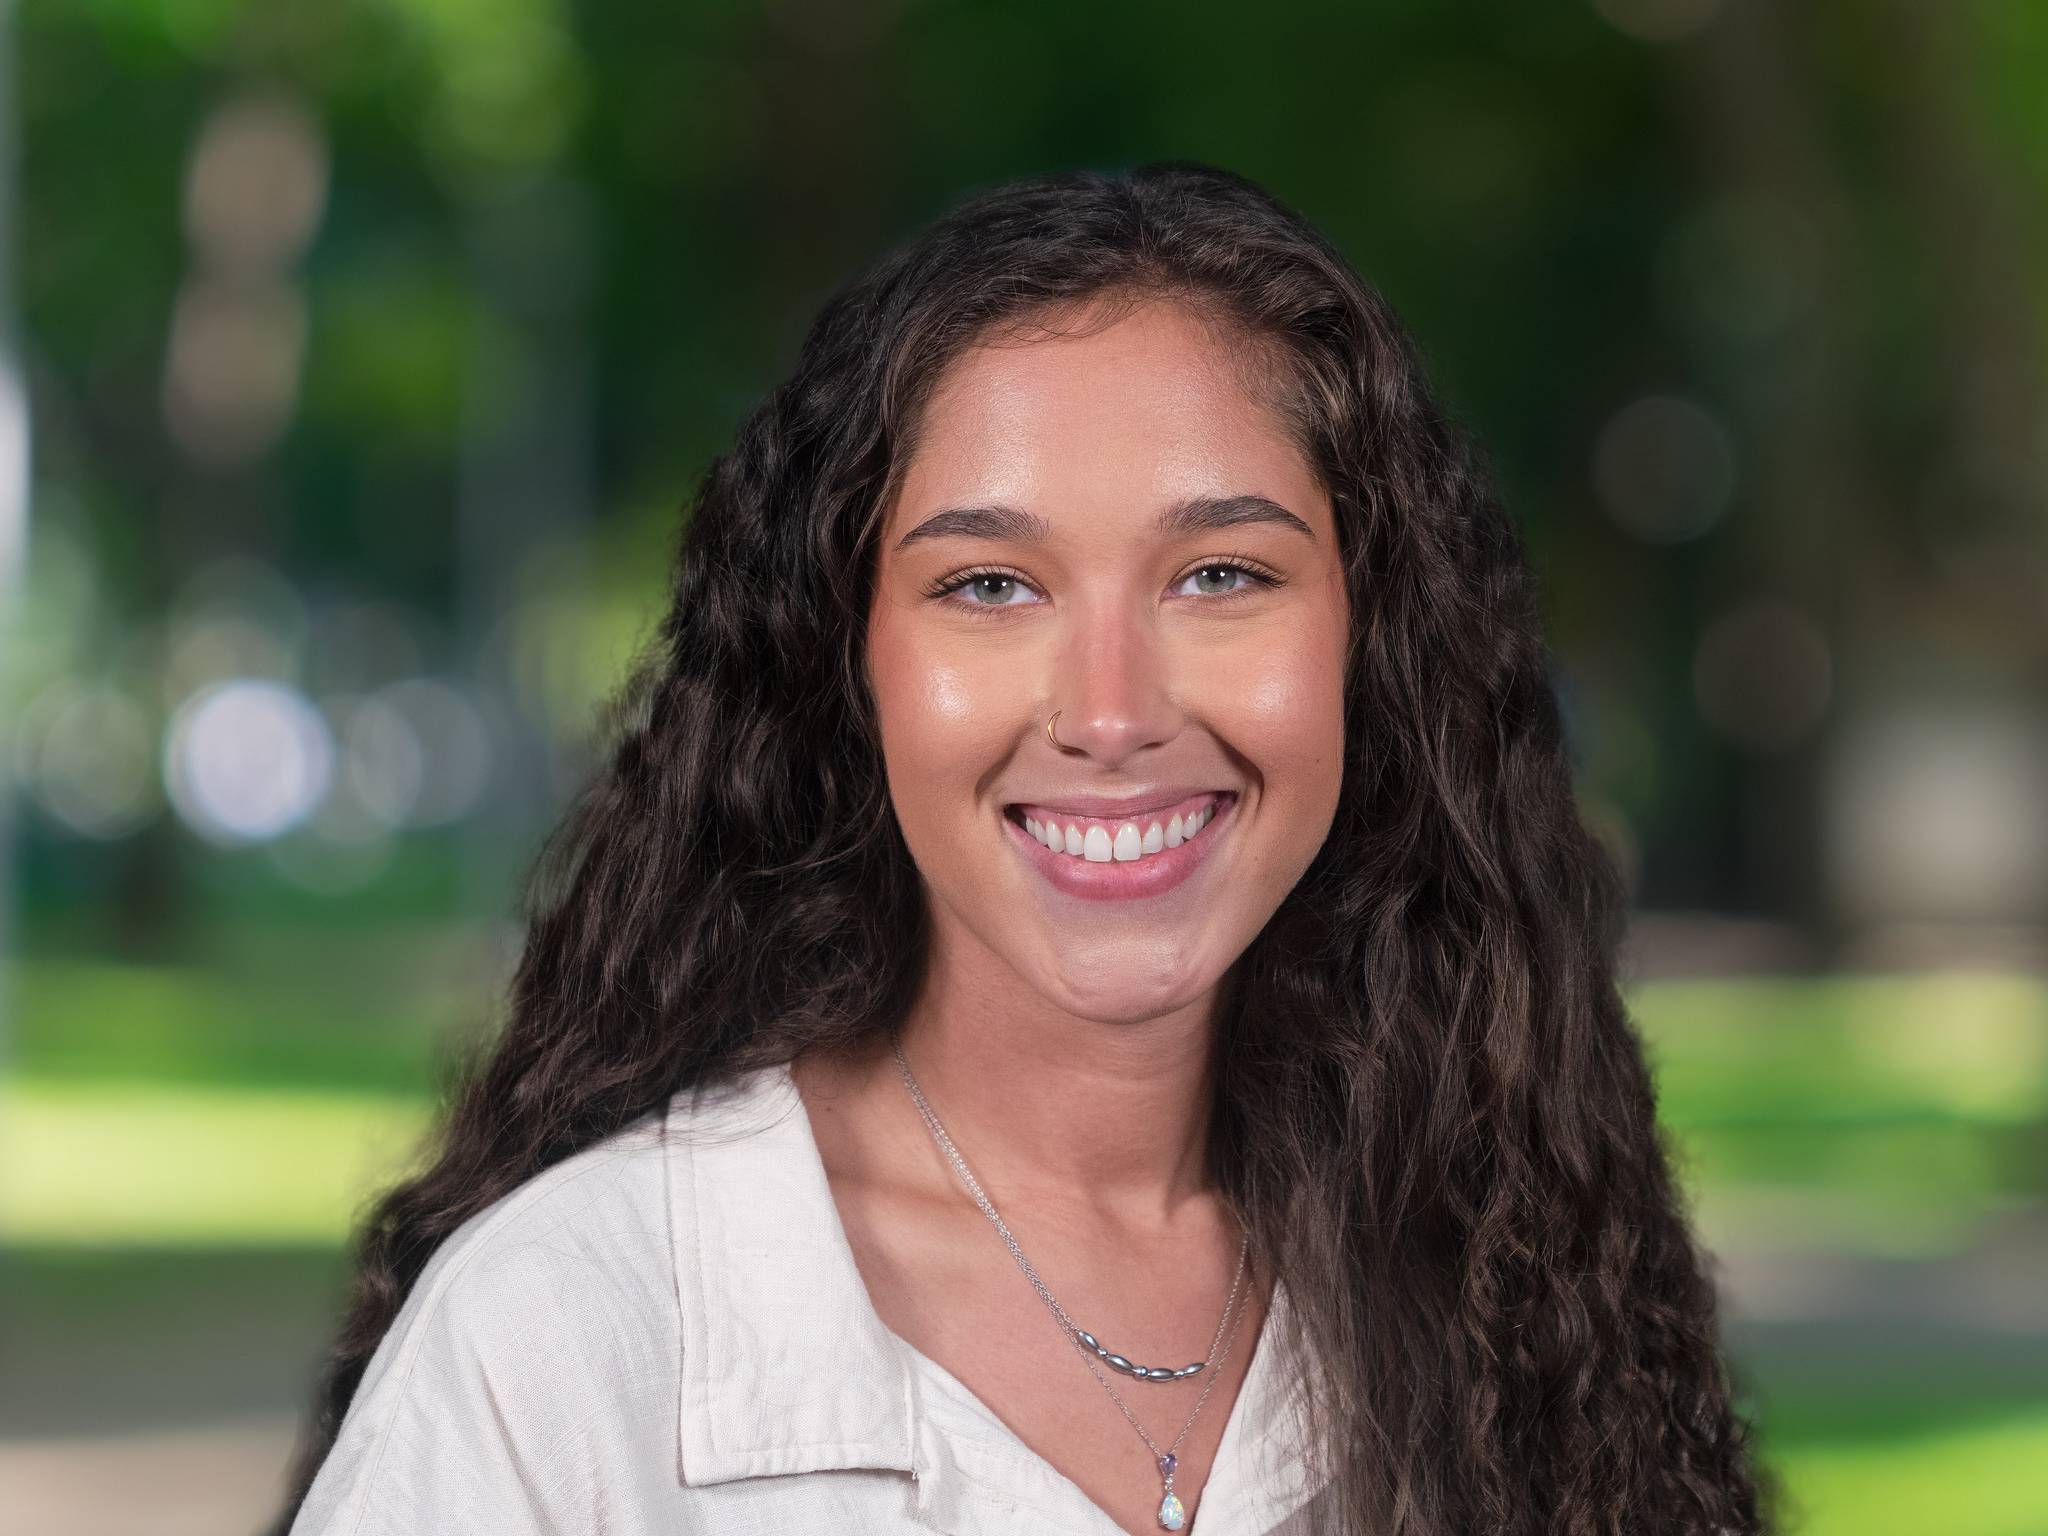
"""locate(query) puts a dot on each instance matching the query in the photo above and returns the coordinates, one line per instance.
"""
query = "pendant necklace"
(1172, 1514)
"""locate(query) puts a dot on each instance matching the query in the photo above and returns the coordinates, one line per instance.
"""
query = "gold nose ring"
(1048, 732)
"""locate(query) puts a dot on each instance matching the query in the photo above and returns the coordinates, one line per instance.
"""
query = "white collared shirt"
(667, 1333)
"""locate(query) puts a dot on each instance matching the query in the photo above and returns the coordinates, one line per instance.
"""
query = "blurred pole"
(14, 498)
(1814, 510)
(523, 511)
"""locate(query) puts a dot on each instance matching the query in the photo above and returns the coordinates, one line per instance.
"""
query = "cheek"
(1286, 715)
(933, 713)
(1299, 738)
(1293, 689)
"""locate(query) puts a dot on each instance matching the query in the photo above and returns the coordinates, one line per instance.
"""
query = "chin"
(1133, 991)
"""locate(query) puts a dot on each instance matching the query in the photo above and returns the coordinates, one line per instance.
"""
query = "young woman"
(1081, 1000)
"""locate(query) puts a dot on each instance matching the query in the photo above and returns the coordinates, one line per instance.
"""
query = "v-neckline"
(1224, 1474)
(1223, 1467)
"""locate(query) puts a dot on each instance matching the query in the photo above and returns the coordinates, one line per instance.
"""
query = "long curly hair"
(1433, 1113)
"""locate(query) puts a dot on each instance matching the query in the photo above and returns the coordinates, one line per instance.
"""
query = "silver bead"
(1088, 1339)
(1160, 1373)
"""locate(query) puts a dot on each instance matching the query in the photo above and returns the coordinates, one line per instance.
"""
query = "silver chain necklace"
(1172, 1515)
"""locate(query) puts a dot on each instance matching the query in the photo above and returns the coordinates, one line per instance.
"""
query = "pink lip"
(1159, 801)
(1114, 881)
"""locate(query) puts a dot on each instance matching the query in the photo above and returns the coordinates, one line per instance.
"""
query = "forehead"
(1098, 419)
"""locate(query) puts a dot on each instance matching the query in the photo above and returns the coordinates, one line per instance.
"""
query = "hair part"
(1432, 1111)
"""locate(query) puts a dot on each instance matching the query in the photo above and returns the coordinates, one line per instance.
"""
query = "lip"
(1161, 798)
(1127, 881)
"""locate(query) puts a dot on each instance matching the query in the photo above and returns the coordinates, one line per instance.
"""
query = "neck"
(1107, 1117)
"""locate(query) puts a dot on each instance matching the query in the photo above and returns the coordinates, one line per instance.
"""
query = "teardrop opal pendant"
(1171, 1516)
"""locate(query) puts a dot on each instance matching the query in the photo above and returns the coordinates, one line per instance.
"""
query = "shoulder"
(586, 1234)
(595, 1236)
(540, 1341)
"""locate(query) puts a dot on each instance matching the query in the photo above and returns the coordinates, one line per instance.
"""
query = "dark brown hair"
(1433, 1112)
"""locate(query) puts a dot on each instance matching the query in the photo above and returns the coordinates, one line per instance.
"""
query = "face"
(1114, 526)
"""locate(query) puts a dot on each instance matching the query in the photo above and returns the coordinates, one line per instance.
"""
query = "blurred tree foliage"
(1821, 226)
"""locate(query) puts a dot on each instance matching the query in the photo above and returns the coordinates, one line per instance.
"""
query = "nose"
(1113, 688)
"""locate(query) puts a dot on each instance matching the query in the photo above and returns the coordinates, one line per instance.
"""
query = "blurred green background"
(357, 360)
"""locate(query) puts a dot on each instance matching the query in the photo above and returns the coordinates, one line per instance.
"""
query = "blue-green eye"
(998, 588)
(1229, 567)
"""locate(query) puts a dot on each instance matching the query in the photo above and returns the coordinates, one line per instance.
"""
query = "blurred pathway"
(186, 1482)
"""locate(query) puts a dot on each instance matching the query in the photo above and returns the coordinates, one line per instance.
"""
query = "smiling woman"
(1102, 454)
(1081, 1000)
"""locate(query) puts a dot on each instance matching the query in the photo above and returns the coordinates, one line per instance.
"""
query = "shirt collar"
(787, 1367)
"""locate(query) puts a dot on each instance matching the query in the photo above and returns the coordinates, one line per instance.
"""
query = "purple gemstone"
(1168, 1462)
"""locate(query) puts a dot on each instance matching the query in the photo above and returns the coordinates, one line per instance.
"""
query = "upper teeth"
(1132, 840)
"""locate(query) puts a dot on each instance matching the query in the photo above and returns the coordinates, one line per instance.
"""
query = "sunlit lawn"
(155, 1110)
(184, 1165)
(1985, 1480)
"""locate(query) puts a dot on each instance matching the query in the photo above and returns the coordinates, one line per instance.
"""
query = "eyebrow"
(1012, 525)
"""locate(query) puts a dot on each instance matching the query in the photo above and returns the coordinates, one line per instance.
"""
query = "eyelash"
(1262, 580)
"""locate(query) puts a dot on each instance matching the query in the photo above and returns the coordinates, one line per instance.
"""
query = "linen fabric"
(667, 1333)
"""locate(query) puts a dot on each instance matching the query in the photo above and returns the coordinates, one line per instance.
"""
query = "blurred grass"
(1985, 1480)
(1867, 1050)
(228, 1122)
(1744, 1053)
(108, 1164)
(259, 1100)
(288, 1014)
(1885, 1115)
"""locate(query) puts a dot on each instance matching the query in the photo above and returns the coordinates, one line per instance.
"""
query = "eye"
(999, 586)
(1256, 579)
